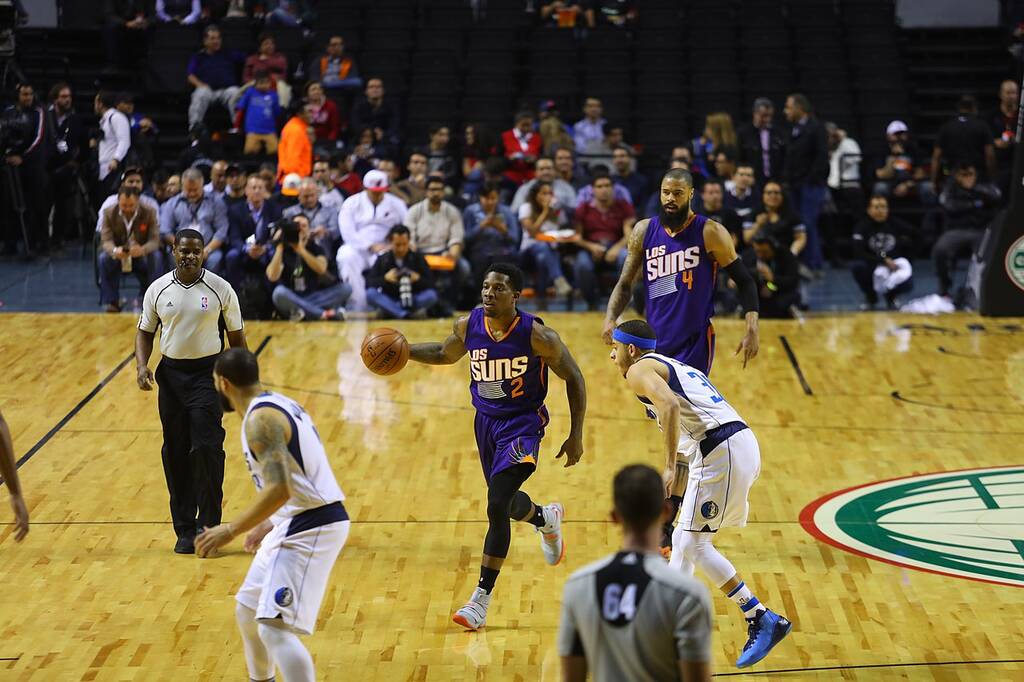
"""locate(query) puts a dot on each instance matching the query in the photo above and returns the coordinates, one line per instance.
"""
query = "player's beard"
(674, 220)
(225, 404)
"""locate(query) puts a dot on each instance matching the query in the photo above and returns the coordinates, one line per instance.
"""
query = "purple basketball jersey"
(506, 377)
(679, 278)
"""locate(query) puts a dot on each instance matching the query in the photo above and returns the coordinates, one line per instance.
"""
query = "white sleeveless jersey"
(312, 481)
(703, 407)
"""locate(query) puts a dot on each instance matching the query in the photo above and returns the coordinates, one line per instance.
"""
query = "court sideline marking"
(796, 366)
(85, 401)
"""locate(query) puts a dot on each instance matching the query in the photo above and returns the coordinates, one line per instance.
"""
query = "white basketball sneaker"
(551, 540)
(474, 613)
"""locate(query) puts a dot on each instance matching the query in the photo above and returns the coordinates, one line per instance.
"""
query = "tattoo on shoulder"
(267, 437)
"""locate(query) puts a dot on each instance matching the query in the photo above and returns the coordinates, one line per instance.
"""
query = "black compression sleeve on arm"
(745, 287)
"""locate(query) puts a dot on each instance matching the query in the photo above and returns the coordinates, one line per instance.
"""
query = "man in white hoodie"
(364, 221)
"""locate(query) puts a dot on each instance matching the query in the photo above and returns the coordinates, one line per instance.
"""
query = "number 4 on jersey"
(688, 279)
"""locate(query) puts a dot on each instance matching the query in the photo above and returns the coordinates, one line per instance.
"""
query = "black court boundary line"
(75, 410)
(796, 366)
(896, 395)
(870, 666)
(263, 344)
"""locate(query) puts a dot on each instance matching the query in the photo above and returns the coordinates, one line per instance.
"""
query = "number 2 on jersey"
(716, 397)
(517, 387)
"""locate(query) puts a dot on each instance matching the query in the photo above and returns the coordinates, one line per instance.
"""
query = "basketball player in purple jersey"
(510, 352)
(678, 254)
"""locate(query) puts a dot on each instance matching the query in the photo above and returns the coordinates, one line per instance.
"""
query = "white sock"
(747, 602)
(257, 660)
(288, 653)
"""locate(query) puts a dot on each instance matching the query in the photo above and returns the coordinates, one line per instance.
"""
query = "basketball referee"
(194, 307)
(629, 616)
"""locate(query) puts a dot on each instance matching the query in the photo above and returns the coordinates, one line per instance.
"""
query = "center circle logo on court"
(966, 524)
(1015, 262)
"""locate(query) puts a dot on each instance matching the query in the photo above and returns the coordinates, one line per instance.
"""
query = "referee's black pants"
(193, 450)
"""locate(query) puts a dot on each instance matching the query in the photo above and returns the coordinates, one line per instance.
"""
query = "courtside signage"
(966, 524)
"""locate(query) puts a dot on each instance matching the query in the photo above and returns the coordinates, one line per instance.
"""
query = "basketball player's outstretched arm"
(447, 352)
(549, 347)
(9, 472)
(267, 432)
(623, 290)
(649, 379)
(718, 242)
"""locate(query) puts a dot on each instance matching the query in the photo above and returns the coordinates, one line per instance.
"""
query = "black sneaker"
(185, 545)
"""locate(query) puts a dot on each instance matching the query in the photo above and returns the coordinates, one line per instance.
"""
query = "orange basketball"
(385, 351)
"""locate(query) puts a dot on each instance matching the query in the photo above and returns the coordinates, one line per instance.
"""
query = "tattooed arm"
(448, 352)
(623, 291)
(267, 432)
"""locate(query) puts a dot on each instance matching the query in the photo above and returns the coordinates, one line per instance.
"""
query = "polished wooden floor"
(96, 593)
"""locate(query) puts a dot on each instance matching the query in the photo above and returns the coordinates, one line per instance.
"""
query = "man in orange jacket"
(295, 151)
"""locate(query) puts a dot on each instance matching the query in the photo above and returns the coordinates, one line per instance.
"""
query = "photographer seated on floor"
(303, 289)
(400, 283)
(777, 273)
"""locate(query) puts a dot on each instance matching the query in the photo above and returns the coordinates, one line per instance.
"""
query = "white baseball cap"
(376, 181)
(290, 186)
(896, 127)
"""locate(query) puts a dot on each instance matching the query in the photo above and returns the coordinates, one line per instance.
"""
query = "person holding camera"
(776, 271)
(298, 269)
(129, 237)
(25, 142)
(400, 283)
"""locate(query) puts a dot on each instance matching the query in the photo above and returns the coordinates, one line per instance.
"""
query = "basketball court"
(914, 579)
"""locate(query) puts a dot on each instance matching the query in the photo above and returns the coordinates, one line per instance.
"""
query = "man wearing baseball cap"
(364, 221)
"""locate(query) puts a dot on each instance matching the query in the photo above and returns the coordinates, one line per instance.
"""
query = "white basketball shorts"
(717, 487)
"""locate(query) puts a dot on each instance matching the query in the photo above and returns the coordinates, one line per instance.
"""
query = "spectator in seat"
(740, 195)
(521, 146)
(968, 207)
(603, 225)
(379, 114)
(777, 273)
(303, 287)
(964, 139)
(295, 151)
(437, 230)
(367, 153)
(249, 232)
(491, 231)
(413, 189)
(564, 192)
(125, 29)
(289, 194)
(198, 210)
(599, 153)
(566, 169)
(181, 12)
(618, 13)
(260, 106)
(218, 183)
(494, 171)
(806, 173)
(564, 14)
(778, 221)
(330, 196)
(235, 193)
(271, 62)
(719, 135)
(364, 221)
(554, 134)
(131, 177)
(440, 161)
(713, 199)
(323, 220)
(164, 187)
(335, 69)
(844, 186)
(902, 174)
(725, 167)
(291, 13)
(761, 144)
(1004, 131)
(401, 284)
(143, 131)
(213, 75)
(477, 147)
(343, 178)
(115, 140)
(542, 214)
(324, 115)
(626, 176)
(130, 235)
(586, 193)
(589, 128)
(880, 246)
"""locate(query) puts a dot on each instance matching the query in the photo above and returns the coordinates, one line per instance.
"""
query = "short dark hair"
(727, 153)
(434, 180)
(877, 196)
(745, 164)
(417, 152)
(107, 98)
(160, 176)
(489, 187)
(639, 495)
(600, 169)
(967, 103)
(188, 233)
(495, 165)
(265, 35)
(125, 191)
(600, 174)
(523, 114)
(712, 181)
(679, 174)
(638, 328)
(765, 239)
(398, 230)
(132, 170)
(260, 75)
(239, 366)
(213, 28)
(434, 129)
(57, 87)
(801, 101)
(514, 274)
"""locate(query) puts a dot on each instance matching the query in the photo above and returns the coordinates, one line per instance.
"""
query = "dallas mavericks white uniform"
(726, 461)
(288, 575)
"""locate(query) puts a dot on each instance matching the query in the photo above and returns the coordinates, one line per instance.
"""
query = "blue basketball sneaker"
(763, 633)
